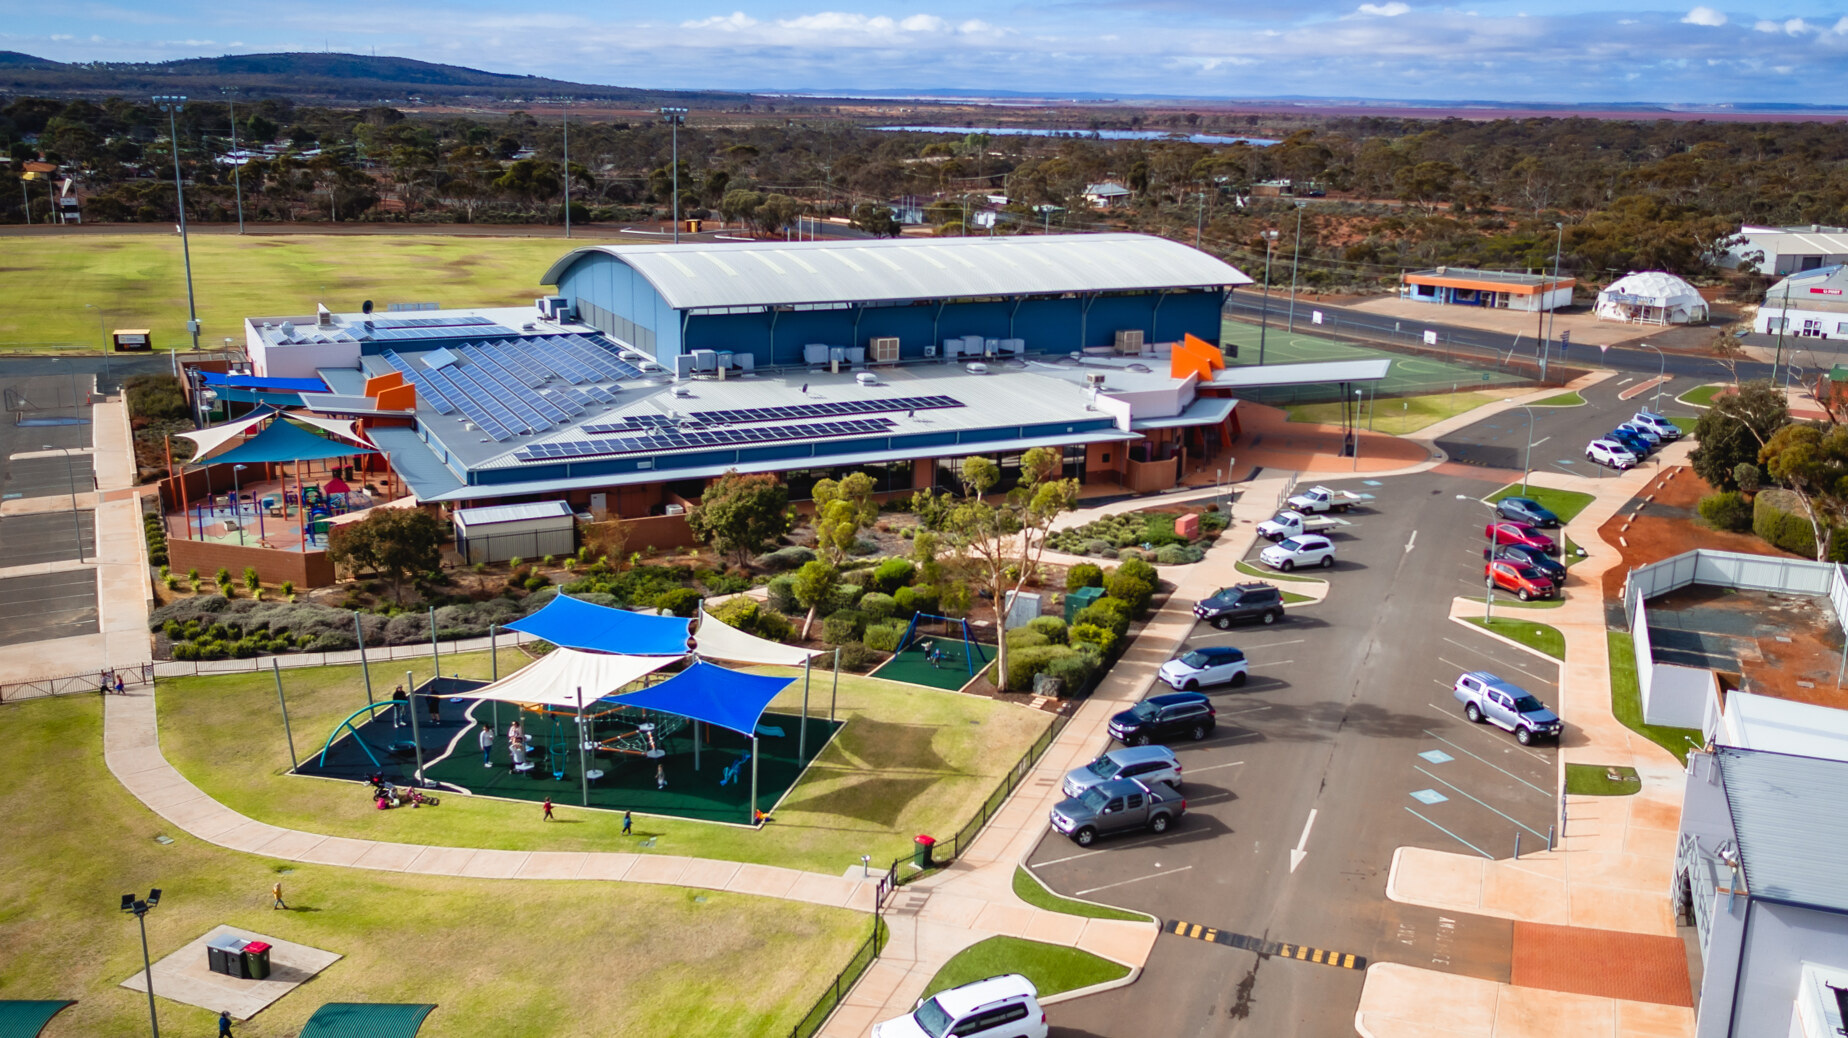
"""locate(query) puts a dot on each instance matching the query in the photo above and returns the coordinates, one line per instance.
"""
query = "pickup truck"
(1321, 499)
(1504, 704)
(1291, 523)
(1115, 806)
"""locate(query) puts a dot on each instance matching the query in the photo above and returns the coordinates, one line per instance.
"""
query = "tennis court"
(1409, 375)
(936, 661)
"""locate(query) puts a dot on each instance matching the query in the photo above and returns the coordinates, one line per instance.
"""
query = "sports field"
(1409, 375)
(65, 291)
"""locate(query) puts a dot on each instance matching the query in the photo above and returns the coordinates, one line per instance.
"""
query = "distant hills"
(322, 78)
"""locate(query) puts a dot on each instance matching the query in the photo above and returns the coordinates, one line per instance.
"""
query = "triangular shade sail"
(556, 678)
(717, 641)
(286, 441)
(710, 693)
(340, 427)
(576, 624)
(209, 440)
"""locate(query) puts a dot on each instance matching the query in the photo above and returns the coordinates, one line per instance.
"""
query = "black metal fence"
(949, 850)
(89, 681)
(843, 982)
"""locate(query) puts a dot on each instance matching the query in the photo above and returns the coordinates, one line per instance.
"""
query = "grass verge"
(1566, 504)
(1594, 780)
(1412, 413)
(1051, 967)
(1292, 598)
(485, 951)
(1567, 399)
(1028, 888)
(1627, 702)
(1685, 423)
(1538, 637)
(1701, 396)
(910, 760)
(1271, 574)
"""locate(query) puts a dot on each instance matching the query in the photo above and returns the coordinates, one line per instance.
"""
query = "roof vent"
(288, 329)
(1443, 270)
(1094, 379)
(529, 327)
(322, 316)
(976, 369)
(683, 391)
(867, 378)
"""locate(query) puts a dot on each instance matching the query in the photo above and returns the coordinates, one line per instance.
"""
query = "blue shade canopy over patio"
(576, 624)
(710, 693)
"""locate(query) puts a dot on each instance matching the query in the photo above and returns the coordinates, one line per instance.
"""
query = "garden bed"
(1147, 534)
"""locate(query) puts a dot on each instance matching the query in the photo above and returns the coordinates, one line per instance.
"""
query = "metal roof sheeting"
(1787, 813)
(1255, 376)
(517, 513)
(706, 275)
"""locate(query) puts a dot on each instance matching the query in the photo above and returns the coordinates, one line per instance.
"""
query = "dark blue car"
(1637, 445)
(1526, 510)
(1551, 568)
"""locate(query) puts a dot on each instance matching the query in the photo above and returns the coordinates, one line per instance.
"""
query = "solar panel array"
(793, 412)
(500, 385)
(664, 439)
(406, 329)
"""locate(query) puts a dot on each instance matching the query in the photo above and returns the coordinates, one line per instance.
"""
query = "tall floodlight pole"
(1546, 342)
(675, 118)
(237, 163)
(139, 907)
(565, 117)
(1200, 220)
(172, 105)
(1270, 239)
(1295, 256)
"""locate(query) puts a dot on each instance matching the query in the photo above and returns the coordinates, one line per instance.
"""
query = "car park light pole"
(1488, 572)
(674, 118)
(139, 909)
(1270, 239)
(1527, 464)
(1662, 374)
(70, 475)
(1295, 257)
(172, 104)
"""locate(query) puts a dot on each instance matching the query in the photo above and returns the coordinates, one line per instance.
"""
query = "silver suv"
(1146, 764)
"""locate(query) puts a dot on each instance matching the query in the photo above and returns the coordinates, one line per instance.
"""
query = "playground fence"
(868, 952)
(73, 684)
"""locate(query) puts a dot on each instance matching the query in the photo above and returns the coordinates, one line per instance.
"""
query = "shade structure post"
(416, 736)
(276, 668)
(583, 737)
(493, 653)
(696, 744)
(359, 635)
(802, 733)
(754, 778)
(835, 695)
(436, 667)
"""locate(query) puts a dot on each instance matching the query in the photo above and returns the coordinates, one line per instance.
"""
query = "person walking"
(120, 690)
(660, 776)
(224, 1023)
(548, 809)
(399, 704)
(436, 716)
(487, 746)
(276, 894)
(626, 822)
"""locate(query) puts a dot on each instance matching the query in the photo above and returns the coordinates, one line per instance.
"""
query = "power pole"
(566, 118)
(675, 118)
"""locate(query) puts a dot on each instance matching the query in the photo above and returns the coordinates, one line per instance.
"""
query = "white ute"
(1291, 523)
(1316, 500)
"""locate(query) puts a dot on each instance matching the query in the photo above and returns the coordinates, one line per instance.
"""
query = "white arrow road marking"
(1297, 854)
(1414, 540)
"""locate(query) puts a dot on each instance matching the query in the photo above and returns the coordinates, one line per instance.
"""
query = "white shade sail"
(556, 678)
(209, 440)
(717, 641)
(340, 427)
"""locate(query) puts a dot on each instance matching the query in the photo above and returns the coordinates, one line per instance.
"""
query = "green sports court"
(1409, 375)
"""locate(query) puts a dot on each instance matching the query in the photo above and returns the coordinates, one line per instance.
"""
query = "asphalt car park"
(1559, 434)
(47, 605)
(1343, 744)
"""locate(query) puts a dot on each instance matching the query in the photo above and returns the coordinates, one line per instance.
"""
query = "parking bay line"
(1138, 879)
(1498, 811)
(1213, 767)
(1448, 715)
(1490, 763)
(1499, 663)
(1087, 854)
(1450, 834)
(1303, 953)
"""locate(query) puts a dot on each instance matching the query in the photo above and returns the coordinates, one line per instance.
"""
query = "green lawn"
(1567, 399)
(138, 280)
(1685, 423)
(1566, 504)
(910, 760)
(1701, 396)
(492, 954)
(1292, 598)
(1594, 780)
(1051, 967)
(1539, 637)
(1627, 702)
(1028, 888)
(1270, 574)
(1397, 416)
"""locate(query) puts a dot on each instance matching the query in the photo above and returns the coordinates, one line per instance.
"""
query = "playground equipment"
(945, 633)
(347, 723)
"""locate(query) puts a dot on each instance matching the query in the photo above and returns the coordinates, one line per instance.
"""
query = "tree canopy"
(1734, 429)
(741, 514)
(395, 543)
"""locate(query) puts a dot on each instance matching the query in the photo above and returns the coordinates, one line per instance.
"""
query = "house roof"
(515, 513)
(1488, 280)
(1787, 815)
(718, 275)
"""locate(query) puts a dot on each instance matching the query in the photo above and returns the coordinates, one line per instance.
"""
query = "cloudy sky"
(1507, 50)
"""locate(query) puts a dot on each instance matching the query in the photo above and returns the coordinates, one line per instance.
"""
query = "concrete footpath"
(1611, 870)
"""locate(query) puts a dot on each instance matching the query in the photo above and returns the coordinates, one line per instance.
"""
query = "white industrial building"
(1812, 304)
(1651, 297)
(1788, 250)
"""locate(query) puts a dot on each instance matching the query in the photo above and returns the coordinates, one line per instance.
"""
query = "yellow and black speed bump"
(1300, 952)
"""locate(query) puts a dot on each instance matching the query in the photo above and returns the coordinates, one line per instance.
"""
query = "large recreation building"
(653, 368)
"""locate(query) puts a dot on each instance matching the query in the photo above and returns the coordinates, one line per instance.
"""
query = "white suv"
(1610, 454)
(1309, 549)
(1659, 424)
(999, 1007)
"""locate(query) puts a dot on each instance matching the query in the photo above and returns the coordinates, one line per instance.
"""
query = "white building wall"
(304, 361)
(1678, 696)
(1828, 324)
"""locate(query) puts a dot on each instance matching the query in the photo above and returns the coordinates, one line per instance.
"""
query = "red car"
(1526, 582)
(1520, 533)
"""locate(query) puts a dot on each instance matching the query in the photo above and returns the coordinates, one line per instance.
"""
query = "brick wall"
(306, 569)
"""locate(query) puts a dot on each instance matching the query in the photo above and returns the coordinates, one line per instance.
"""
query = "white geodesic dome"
(1651, 297)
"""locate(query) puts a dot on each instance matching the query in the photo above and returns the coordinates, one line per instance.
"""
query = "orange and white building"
(1498, 289)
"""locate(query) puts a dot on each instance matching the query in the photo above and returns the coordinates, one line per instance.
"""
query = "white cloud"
(1704, 16)
(733, 22)
(1766, 25)
(1841, 28)
(1387, 10)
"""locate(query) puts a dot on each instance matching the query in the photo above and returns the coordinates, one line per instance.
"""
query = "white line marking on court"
(1212, 767)
(1138, 879)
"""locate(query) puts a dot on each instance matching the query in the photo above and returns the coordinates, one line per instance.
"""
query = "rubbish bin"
(920, 855)
(256, 960)
(225, 954)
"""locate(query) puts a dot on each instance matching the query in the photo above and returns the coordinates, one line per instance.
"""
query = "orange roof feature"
(1195, 356)
(379, 383)
(396, 398)
(1491, 284)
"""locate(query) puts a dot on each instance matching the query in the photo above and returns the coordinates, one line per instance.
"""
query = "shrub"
(921, 598)
(174, 630)
(1025, 662)
(1085, 574)
(1727, 510)
(1130, 588)
(782, 595)
(783, 559)
(1112, 614)
(893, 574)
(751, 617)
(1051, 626)
(251, 579)
(682, 601)
(853, 655)
(1026, 638)
(884, 637)
(1212, 522)
(185, 651)
(1748, 476)
(843, 626)
(845, 596)
(1139, 568)
(1104, 638)
(288, 588)
(333, 641)
(223, 577)
(1074, 672)
(1779, 518)
(878, 606)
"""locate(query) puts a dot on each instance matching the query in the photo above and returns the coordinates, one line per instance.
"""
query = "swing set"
(944, 638)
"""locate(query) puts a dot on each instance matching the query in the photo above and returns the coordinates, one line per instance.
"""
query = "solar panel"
(425, 391)
(825, 408)
(666, 438)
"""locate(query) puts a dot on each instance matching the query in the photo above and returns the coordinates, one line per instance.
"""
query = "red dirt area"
(1668, 526)
(1607, 963)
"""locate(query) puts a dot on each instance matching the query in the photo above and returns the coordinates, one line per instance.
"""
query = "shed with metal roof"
(526, 530)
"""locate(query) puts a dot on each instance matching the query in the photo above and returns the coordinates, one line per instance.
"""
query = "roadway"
(1344, 745)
